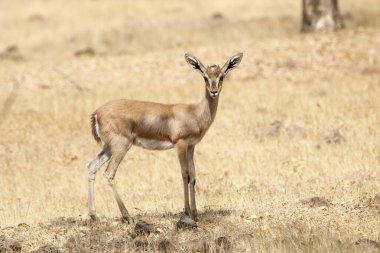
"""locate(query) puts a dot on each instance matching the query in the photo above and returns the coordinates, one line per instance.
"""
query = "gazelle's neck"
(207, 110)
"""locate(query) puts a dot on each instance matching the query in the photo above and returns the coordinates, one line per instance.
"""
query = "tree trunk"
(320, 15)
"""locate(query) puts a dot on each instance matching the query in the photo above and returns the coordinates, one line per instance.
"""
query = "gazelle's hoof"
(186, 222)
(127, 219)
(94, 217)
(194, 216)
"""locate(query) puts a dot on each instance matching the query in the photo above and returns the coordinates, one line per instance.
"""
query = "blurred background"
(58, 29)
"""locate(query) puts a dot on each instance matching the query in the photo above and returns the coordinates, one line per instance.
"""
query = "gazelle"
(119, 124)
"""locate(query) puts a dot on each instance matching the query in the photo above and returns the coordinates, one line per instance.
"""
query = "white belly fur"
(153, 144)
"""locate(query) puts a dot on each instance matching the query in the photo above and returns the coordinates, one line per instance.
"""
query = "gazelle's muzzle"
(213, 89)
(214, 94)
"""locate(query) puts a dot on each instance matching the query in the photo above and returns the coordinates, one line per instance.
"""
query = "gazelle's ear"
(195, 63)
(232, 63)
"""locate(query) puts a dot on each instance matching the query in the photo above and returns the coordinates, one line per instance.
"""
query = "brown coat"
(153, 125)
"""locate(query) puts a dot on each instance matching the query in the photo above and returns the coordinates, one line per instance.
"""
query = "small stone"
(84, 230)
(316, 202)
(274, 128)
(289, 64)
(23, 225)
(367, 243)
(36, 18)
(143, 227)
(88, 51)
(334, 137)
(10, 244)
(186, 222)
(11, 52)
(218, 16)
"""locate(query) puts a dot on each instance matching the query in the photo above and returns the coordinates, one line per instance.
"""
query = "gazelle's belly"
(153, 144)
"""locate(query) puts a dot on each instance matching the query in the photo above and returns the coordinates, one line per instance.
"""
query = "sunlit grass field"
(299, 118)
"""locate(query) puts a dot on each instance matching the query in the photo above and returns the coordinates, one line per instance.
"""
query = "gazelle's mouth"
(214, 94)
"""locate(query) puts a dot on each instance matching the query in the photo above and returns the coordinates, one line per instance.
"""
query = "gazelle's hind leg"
(118, 149)
(93, 167)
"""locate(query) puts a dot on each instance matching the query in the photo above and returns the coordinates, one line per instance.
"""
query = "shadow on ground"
(111, 235)
(218, 231)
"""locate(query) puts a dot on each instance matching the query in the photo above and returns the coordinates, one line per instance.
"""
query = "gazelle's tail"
(95, 127)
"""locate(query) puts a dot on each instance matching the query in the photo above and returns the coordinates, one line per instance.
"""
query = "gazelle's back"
(132, 108)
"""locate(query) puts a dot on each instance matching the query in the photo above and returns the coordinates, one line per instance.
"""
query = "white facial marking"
(214, 94)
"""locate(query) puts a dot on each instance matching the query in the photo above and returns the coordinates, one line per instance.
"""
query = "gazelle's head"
(214, 74)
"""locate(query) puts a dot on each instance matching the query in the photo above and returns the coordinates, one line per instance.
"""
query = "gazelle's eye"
(206, 80)
(221, 79)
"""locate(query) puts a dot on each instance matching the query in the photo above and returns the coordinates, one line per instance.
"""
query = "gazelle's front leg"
(184, 162)
(190, 157)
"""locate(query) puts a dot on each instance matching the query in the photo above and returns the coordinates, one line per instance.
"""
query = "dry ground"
(272, 144)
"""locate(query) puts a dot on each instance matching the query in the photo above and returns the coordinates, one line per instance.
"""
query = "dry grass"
(251, 176)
